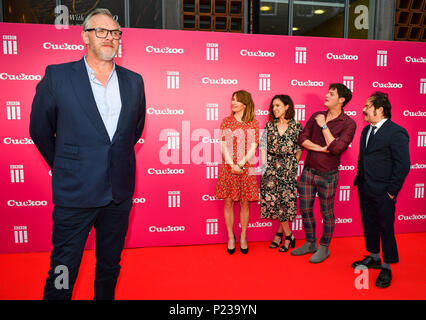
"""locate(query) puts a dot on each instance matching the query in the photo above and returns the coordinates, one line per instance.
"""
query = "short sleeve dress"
(278, 192)
(238, 137)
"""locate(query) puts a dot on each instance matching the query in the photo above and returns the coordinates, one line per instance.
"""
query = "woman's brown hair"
(286, 100)
(245, 98)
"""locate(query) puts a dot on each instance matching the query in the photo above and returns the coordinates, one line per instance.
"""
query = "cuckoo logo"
(174, 199)
(264, 82)
(422, 86)
(300, 167)
(62, 46)
(382, 58)
(412, 217)
(207, 197)
(167, 171)
(212, 51)
(139, 200)
(299, 110)
(308, 83)
(415, 60)
(17, 173)
(345, 193)
(212, 227)
(21, 234)
(10, 140)
(418, 166)
(349, 82)
(173, 140)
(419, 191)
(408, 113)
(212, 111)
(300, 55)
(167, 50)
(20, 76)
(297, 223)
(172, 80)
(10, 44)
(389, 84)
(343, 56)
(259, 53)
(421, 139)
(166, 111)
(221, 81)
(166, 229)
(13, 110)
(212, 170)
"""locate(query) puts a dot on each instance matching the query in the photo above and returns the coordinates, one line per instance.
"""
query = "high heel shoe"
(292, 243)
(232, 251)
(274, 244)
(245, 251)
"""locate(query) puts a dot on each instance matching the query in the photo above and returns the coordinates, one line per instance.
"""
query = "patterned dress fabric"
(278, 193)
(238, 137)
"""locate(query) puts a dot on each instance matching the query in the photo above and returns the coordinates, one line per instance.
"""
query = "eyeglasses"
(103, 33)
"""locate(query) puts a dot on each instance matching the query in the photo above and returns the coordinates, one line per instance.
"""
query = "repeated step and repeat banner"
(189, 78)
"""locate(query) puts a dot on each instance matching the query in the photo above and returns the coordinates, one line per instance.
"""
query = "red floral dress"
(238, 137)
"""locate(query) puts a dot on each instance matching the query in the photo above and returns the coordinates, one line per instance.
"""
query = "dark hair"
(286, 100)
(380, 99)
(342, 92)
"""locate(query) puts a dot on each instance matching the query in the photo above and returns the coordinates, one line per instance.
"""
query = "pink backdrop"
(189, 78)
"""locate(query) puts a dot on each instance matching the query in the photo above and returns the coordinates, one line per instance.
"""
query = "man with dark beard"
(383, 165)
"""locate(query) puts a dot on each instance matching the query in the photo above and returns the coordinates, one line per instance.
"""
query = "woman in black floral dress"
(280, 155)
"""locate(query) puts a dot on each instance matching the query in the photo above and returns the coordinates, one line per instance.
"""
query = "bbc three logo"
(348, 81)
(264, 82)
(174, 199)
(10, 45)
(212, 51)
(173, 140)
(17, 173)
(13, 110)
(300, 57)
(21, 234)
(345, 192)
(419, 191)
(212, 111)
(422, 86)
(212, 227)
(173, 80)
(382, 58)
(212, 170)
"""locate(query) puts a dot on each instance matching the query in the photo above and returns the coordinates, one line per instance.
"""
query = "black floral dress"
(278, 193)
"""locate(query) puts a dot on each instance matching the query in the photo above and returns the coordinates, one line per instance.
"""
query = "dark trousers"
(71, 227)
(378, 218)
(309, 184)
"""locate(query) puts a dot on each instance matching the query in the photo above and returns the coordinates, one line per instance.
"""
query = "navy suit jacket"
(88, 169)
(385, 163)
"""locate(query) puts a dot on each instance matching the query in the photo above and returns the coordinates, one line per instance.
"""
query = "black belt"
(321, 173)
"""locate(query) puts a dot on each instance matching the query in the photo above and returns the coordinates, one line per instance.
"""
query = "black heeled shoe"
(292, 243)
(245, 251)
(274, 244)
(232, 251)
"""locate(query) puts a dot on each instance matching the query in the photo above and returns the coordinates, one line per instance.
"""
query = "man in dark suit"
(383, 164)
(86, 118)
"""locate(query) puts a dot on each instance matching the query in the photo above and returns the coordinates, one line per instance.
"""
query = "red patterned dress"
(238, 136)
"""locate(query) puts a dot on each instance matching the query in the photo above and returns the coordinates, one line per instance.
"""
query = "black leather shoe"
(384, 279)
(231, 251)
(369, 262)
(243, 250)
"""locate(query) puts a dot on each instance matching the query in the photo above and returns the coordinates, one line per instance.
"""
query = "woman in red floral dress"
(237, 176)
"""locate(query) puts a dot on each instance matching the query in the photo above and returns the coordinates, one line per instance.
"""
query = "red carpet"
(207, 272)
